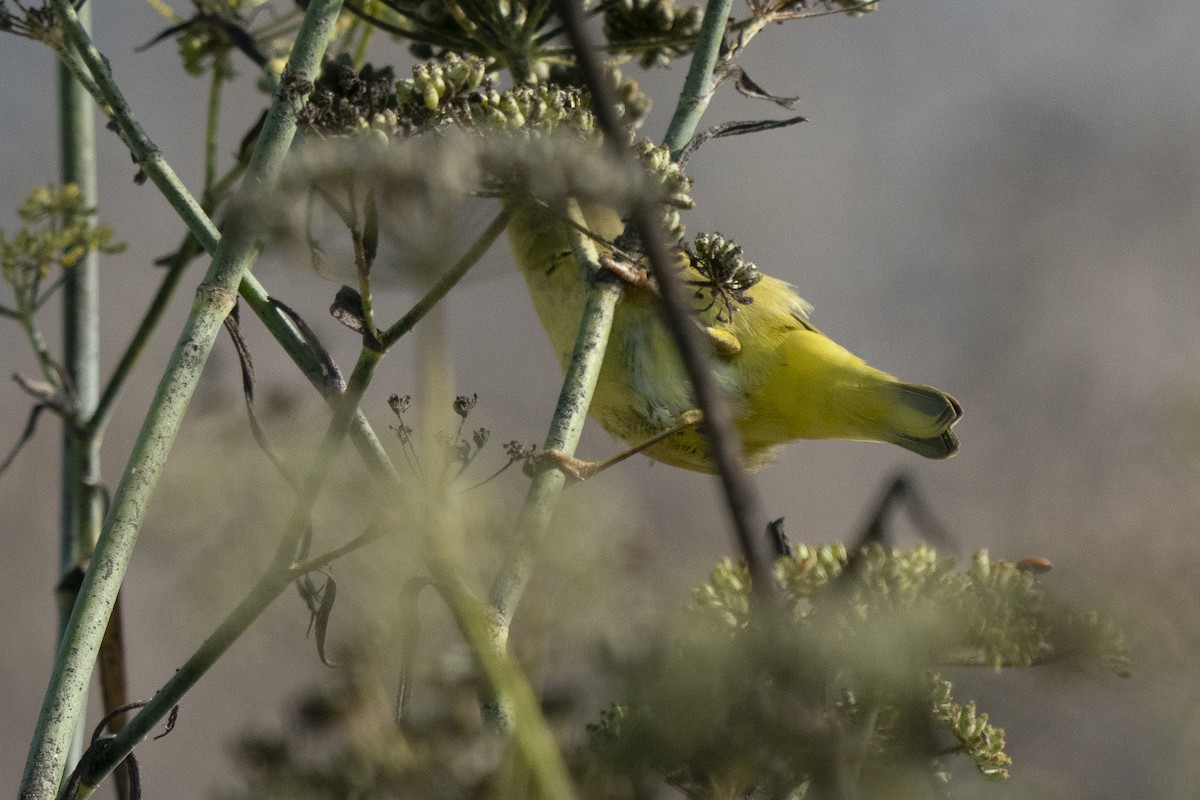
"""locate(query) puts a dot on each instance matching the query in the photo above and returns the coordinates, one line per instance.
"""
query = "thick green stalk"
(215, 297)
(565, 428)
(80, 510)
(150, 160)
(698, 87)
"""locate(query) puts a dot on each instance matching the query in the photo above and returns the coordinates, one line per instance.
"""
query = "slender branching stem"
(71, 61)
(51, 371)
(277, 578)
(177, 266)
(175, 269)
(280, 26)
(148, 156)
(364, 42)
(80, 507)
(215, 297)
(284, 568)
(523, 715)
(375, 531)
(698, 87)
(566, 426)
(750, 27)
(98, 421)
(220, 73)
(447, 281)
(150, 160)
(357, 223)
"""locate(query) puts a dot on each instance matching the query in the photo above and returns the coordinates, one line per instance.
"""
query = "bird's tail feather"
(921, 419)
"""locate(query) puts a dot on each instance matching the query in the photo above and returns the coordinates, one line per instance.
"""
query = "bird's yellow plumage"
(785, 379)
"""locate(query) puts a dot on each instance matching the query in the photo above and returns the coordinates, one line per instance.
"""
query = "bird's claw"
(574, 468)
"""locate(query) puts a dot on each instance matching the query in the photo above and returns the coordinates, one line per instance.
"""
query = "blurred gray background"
(996, 199)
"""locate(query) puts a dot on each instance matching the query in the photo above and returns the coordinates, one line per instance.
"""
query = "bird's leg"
(581, 470)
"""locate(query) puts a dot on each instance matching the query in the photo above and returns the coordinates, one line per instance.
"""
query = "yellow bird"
(785, 379)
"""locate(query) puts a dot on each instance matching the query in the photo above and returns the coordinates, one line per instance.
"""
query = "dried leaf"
(748, 87)
(321, 617)
(733, 129)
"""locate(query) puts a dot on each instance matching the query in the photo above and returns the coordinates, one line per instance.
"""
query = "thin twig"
(100, 417)
(374, 531)
(447, 281)
(566, 426)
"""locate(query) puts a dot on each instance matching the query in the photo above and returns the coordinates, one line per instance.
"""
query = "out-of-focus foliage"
(343, 742)
(423, 145)
(842, 686)
(454, 94)
(57, 232)
(654, 30)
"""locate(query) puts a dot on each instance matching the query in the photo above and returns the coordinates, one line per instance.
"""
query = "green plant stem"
(80, 509)
(448, 280)
(284, 569)
(698, 87)
(278, 577)
(724, 442)
(98, 420)
(533, 737)
(363, 263)
(220, 72)
(26, 315)
(565, 428)
(278, 27)
(113, 104)
(148, 157)
(215, 297)
(364, 42)
(74, 64)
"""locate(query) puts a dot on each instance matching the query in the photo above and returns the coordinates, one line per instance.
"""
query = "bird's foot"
(580, 470)
(572, 467)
